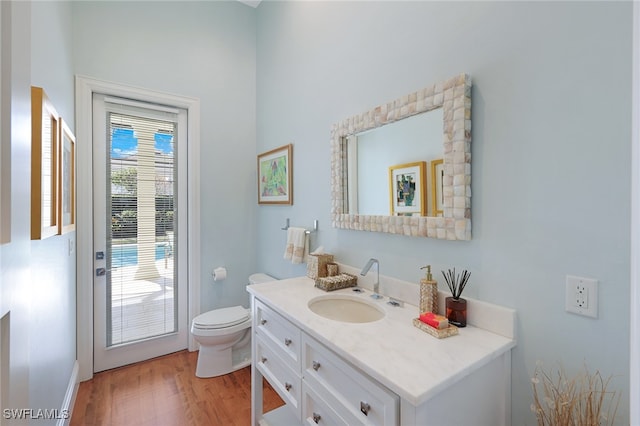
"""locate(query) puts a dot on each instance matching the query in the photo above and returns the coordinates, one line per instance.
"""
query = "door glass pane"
(141, 190)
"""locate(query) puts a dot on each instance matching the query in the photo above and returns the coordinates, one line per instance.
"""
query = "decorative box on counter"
(452, 330)
(342, 280)
(317, 265)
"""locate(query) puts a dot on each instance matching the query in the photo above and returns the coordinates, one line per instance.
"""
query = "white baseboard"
(70, 395)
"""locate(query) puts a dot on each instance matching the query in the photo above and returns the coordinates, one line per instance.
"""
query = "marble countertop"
(408, 361)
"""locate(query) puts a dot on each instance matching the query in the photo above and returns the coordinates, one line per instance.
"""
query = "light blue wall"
(15, 256)
(204, 50)
(37, 278)
(53, 266)
(551, 144)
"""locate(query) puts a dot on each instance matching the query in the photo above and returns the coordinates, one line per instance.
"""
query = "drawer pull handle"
(287, 386)
(263, 359)
(316, 365)
(365, 407)
(316, 417)
(263, 321)
(287, 342)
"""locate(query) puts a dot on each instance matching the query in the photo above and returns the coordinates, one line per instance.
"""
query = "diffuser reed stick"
(456, 283)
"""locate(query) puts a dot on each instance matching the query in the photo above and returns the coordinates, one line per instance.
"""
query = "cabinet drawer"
(354, 396)
(282, 378)
(285, 335)
(315, 411)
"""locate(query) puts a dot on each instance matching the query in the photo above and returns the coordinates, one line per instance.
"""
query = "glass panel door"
(139, 310)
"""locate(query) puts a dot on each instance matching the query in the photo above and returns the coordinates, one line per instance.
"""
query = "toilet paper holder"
(219, 273)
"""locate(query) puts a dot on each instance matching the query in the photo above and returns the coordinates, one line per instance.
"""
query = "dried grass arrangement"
(581, 401)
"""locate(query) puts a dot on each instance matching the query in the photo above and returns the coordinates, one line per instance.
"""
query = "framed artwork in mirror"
(67, 181)
(45, 126)
(437, 197)
(408, 191)
(275, 176)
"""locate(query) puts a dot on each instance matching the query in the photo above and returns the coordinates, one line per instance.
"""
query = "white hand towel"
(297, 245)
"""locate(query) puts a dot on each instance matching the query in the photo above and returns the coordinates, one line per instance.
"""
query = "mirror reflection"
(379, 184)
(372, 153)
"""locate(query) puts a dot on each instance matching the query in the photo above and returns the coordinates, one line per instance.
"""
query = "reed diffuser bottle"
(428, 292)
(456, 306)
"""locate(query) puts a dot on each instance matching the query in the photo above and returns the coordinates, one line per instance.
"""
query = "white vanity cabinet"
(385, 372)
(317, 385)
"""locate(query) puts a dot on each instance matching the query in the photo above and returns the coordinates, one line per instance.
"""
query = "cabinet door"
(353, 394)
(281, 377)
(281, 332)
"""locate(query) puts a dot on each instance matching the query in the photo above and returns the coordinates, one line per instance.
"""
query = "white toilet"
(224, 336)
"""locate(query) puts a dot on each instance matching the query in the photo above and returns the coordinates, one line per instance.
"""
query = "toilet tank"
(260, 278)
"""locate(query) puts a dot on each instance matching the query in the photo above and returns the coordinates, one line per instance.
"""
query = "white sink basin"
(345, 308)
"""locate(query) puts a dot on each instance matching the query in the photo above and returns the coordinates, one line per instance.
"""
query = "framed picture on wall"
(45, 126)
(67, 181)
(437, 197)
(275, 176)
(5, 183)
(407, 187)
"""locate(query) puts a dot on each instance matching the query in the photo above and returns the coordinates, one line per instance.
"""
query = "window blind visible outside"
(141, 302)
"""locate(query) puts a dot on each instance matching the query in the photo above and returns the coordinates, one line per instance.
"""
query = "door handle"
(101, 272)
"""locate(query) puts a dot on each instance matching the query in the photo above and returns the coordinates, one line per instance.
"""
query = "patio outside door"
(140, 280)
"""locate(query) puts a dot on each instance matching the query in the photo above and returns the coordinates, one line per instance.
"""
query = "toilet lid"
(260, 278)
(221, 318)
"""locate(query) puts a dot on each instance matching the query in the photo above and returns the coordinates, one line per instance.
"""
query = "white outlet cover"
(581, 296)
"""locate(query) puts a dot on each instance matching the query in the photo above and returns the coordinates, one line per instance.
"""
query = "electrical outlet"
(581, 296)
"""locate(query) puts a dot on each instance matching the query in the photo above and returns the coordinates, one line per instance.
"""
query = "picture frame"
(5, 183)
(407, 189)
(45, 127)
(437, 196)
(67, 181)
(275, 176)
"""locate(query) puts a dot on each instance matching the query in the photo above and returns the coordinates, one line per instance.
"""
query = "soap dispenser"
(428, 292)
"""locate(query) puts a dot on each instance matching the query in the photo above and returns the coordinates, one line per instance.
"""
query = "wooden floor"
(166, 391)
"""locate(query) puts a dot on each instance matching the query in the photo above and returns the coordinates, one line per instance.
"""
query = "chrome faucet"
(376, 284)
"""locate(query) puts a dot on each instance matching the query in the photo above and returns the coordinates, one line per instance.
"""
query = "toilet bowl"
(224, 336)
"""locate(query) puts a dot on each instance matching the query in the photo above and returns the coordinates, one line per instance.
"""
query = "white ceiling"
(252, 3)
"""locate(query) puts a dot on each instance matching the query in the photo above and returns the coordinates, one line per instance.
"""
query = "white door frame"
(634, 345)
(85, 88)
